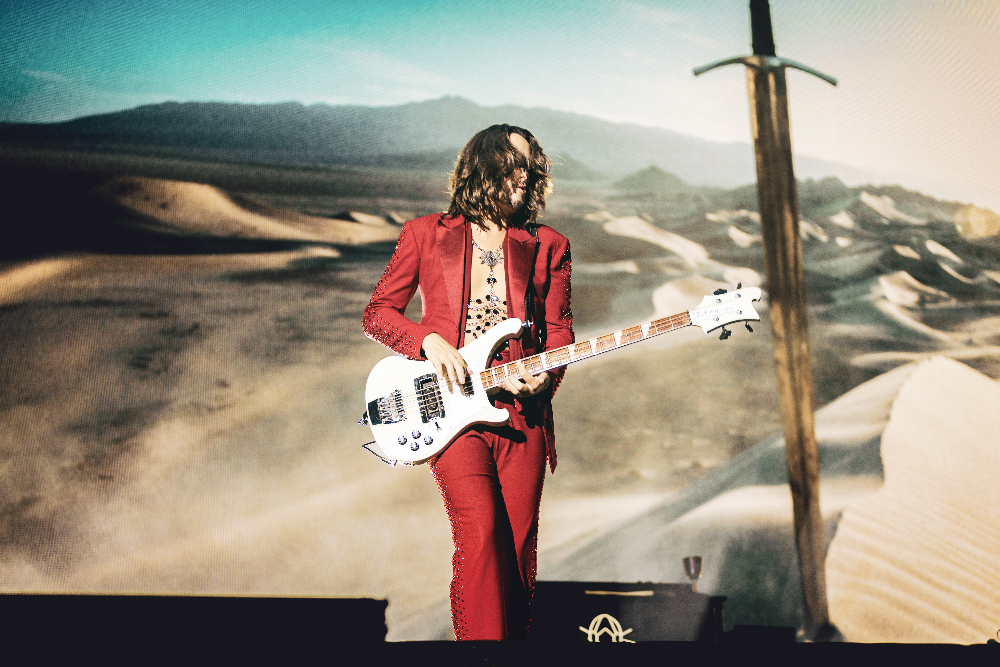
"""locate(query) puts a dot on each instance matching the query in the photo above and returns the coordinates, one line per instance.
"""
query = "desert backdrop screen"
(199, 198)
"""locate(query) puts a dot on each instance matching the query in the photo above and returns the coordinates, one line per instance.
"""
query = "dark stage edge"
(677, 653)
(334, 629)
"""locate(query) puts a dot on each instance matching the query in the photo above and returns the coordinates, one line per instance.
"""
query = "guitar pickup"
(429, 397)
(387, 410)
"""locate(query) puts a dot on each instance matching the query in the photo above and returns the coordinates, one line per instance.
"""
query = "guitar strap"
(529, 292)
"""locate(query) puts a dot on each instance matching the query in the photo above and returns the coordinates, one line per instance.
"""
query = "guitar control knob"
(414, 446)
(415, 434)
(401, 439)
(428, 439)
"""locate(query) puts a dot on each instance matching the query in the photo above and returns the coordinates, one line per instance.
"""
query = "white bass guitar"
(414, 414)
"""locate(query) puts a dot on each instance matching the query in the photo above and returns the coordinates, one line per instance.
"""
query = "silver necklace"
(489, 257)
(481, 316)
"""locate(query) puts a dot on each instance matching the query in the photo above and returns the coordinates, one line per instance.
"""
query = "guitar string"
(592, 347)
(563, 356)
(573, 352)
(497, 374)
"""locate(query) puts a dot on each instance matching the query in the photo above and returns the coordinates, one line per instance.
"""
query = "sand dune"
(843, 219)
(733, 216)
(942, 251)
(808, 230)
(20, 280)
(602, 268)
(846, 430)
(919, 561)
(973, 222)
(886, 207)
(738, 516)
(887, 360)
(706, 275)
(903, 289)
(955, 274)
(202, 210)
(741, 238)
(906, 251)
(914, 560)
(692, 253)
(907, 319)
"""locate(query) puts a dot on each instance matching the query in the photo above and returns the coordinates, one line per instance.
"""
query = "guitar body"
(414, 414)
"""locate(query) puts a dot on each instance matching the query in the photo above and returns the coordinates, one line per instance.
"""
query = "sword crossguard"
(765, 64)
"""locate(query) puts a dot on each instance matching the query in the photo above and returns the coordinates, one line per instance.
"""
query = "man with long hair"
(472, 266)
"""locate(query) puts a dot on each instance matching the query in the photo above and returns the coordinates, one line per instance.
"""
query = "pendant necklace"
(481, 316)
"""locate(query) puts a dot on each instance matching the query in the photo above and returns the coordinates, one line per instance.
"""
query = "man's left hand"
(527, 384)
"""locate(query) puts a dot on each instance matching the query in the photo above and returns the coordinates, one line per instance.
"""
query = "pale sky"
(919, 80)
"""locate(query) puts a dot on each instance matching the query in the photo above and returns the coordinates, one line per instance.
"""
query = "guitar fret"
(605, 343)
(631, 335)
(563, 356)
(557, 358)
(544, 361)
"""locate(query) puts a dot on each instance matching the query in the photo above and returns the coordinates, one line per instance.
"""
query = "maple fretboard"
(563, 356)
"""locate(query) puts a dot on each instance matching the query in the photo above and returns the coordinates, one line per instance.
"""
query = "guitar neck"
(563, 356)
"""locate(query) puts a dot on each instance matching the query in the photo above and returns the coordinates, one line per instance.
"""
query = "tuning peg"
(726, 333)
(739, 285)
(719, 291)
(747, 325)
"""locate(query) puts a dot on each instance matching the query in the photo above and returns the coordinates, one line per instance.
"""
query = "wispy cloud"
(656, 15)
(679, 24)
(57, 97)
(327, 67)
(51, 77)
(396, 70)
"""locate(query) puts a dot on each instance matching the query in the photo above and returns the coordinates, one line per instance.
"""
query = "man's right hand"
(447, 361)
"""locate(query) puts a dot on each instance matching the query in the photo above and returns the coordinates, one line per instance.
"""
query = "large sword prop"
(779, 215)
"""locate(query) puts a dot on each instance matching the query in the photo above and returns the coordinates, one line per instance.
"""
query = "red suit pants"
(491, 481)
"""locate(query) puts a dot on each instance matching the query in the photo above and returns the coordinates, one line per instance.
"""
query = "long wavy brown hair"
(483, 178)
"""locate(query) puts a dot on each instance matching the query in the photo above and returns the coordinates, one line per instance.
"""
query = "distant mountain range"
(418, 135)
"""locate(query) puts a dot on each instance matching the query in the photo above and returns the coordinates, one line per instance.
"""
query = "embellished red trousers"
(491, 479)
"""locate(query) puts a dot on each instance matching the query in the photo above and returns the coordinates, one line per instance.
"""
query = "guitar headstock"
(722, 308)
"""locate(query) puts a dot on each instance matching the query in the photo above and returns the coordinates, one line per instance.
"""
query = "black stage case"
(581, 611)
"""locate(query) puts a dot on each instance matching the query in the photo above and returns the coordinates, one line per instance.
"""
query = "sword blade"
(779, 213)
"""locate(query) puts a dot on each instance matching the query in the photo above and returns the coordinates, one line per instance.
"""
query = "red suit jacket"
(434, 255)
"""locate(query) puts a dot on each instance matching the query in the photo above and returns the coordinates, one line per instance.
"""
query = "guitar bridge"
(429, 397)
(387, 410)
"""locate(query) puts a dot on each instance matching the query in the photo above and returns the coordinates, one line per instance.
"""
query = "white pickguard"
(408, 437)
